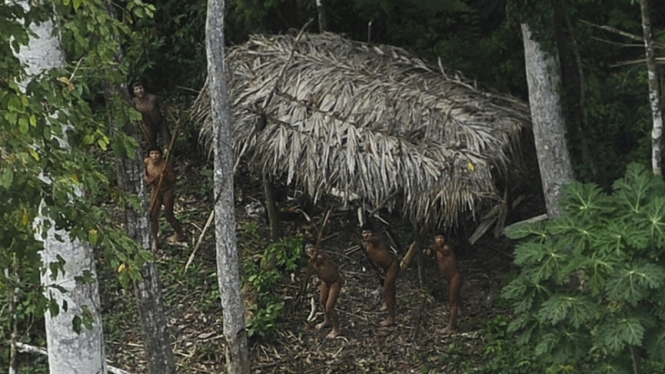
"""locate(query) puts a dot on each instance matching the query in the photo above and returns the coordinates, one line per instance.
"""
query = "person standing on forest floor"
(445, 259)
(379, 254)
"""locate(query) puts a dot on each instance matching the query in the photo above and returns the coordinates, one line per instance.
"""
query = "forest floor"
(194, 313)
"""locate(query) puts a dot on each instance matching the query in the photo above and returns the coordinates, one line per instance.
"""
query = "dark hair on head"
(155, 149)
(137, 83)
(439, 233)
(366, 227)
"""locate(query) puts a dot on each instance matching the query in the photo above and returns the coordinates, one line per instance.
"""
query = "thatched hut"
(326, 113)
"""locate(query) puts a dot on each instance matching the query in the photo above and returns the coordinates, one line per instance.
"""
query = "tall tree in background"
(323, 19)
(129, 163)
(72, 284)
(228, 274)
(544, 80)
(654, 95)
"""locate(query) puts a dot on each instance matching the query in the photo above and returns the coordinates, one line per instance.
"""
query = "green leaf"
(53, 307)
(524, 230)
(633, 282)
(634, 188)
(6, 178)
(655, 344)
(612, 240)
(23, 126)
(616, 331)
(599, 268)
(655, 214)
(14, 104)
(577, 309)
(76, 324)
(529, 253)
(77, 4)
(585, 202)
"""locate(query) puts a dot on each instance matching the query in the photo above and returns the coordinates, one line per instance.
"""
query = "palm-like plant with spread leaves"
(590, 296)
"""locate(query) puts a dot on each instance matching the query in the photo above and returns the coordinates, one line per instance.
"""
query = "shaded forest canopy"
(371, 121)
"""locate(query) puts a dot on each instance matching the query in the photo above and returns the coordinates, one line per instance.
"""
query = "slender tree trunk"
(237, 357)
(654, 97)
(271, 207)
(321, 10)
(148, 291)
(68, 351)
(549, 128)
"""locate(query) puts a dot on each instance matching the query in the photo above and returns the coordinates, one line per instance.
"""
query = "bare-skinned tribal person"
(378, 253)
(150, 106)
(445, 259)
(331, 284)
(156, 168)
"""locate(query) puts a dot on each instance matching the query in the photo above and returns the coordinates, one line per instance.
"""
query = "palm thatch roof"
(329, 113)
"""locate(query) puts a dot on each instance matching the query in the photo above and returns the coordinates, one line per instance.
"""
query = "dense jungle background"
(609, 122)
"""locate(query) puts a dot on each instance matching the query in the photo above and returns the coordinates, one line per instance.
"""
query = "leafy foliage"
(263, 277)
(40, 175)
(592, 281)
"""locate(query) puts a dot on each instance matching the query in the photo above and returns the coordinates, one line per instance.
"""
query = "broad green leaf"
(77, 4)
(523, 230)
(633, 282)
(611, 240)
(23, 125)
(14, 104)
(655, 214)
(33, 154)
(529, 254)
(6, 178)
(577, 309)
(633, 189)
(615, 331)
(584, 202)
(655, 343)
(88, 139)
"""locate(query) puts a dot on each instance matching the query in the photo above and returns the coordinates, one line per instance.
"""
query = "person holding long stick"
(159, 174)
(378, 253)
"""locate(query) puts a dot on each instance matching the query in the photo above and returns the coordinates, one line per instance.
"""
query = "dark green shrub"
(590, 296)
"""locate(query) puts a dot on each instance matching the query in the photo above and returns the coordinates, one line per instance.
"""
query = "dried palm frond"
(369, 120)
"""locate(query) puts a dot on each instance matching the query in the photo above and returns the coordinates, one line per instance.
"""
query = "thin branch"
(625, 34)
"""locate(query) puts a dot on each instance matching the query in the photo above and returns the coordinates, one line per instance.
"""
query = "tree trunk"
(549, 129)
(321, 10)
(148, 291)
(271, 207)
(150, 304)
(68, 351)
(237, 358)
(654, 97)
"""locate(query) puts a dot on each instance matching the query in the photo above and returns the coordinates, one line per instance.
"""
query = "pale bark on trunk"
(68, 352)
(149, 300)
(321, 10)
(235, 334)
(654, 97)
(549, 128)
(150, 303)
